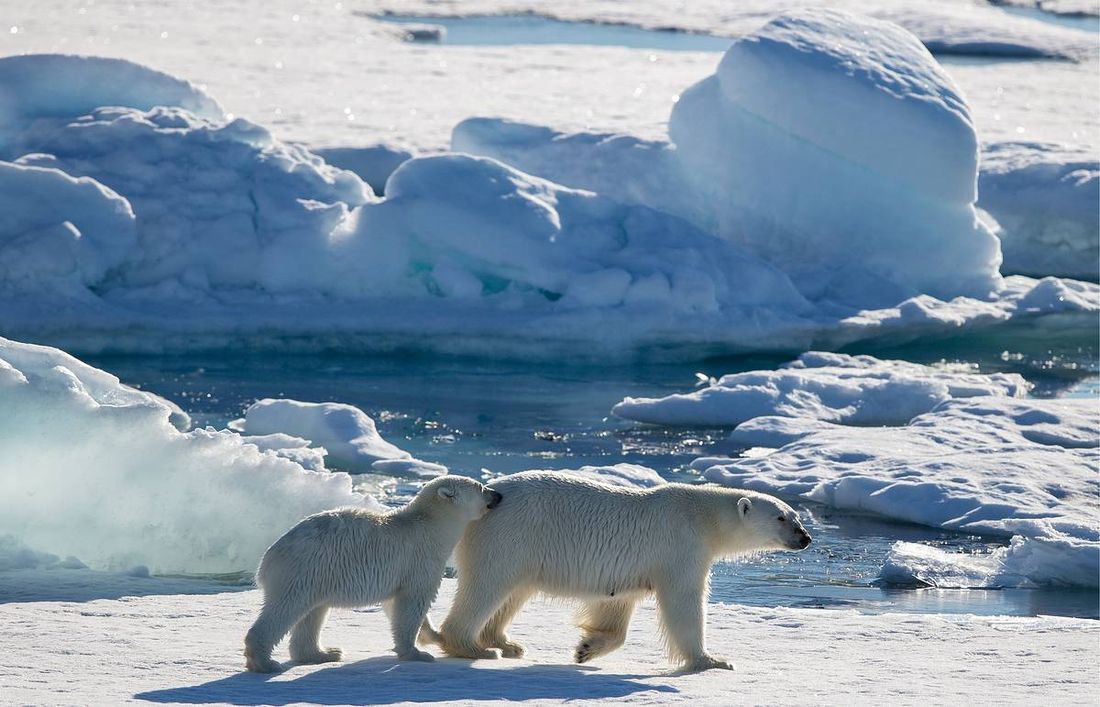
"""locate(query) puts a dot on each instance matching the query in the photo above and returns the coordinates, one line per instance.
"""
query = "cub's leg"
(305, 644)
(603, 625)
(407, 611)
(275, 620)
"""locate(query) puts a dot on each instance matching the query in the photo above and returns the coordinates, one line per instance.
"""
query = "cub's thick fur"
(608, 546)
(353, 557)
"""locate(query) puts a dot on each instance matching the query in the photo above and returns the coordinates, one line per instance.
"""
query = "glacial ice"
(347, 436)
(93, 469)
(988, 465)
(852, 390)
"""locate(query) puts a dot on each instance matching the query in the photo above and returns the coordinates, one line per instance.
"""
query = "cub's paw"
(262, 665)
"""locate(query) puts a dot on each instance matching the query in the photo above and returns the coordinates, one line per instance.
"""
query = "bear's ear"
(446, 492)
(743, 505)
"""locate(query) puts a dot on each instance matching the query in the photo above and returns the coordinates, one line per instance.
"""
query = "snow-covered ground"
(186, 648)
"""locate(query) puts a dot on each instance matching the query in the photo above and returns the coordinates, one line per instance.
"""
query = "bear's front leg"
(407, 611)
(682, 601)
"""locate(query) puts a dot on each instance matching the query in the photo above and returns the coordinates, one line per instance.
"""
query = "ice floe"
(852, 390)
(93, 469)
(988, 465)
(347, 436)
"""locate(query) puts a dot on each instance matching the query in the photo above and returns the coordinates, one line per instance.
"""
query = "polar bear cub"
(353, 557)
(608, 546)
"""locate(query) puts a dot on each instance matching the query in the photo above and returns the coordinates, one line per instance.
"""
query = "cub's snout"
(494, 500)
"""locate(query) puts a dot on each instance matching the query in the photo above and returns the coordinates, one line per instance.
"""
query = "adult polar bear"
(608, 546)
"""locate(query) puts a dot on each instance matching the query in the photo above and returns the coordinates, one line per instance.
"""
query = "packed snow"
(988, 465)
(94, 470)
(348, 436)
(851, 390)
(186, 648)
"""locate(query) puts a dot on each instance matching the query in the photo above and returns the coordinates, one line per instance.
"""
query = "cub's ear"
(446, 492)
(743, 505)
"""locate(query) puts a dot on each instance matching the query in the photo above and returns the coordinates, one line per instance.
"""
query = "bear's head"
(766, 523)
(461, 495)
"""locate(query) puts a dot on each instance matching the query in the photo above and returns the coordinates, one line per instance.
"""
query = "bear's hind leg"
(476, 601)
(494, 635)
(603, 624)
(305, 646)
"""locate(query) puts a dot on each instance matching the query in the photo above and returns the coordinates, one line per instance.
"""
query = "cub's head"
(769, 524)
(461, 495)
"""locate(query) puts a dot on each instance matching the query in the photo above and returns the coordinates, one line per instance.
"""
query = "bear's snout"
(495, 500)
(804, 540)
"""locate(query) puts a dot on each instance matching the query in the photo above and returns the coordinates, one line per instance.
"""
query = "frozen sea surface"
(504, 417)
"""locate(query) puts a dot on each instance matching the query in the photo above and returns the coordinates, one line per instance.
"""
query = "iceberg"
(96, 470)
(852, 390)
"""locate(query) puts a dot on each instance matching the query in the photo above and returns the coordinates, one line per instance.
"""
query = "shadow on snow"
(384, 680)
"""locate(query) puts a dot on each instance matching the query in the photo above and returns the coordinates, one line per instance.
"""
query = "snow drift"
(347, 436)
(853, 390)
(987, 465)
(94, 469)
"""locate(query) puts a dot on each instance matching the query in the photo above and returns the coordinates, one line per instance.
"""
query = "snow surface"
(186, 648)
(93, 469)
(988, 465)
(347, 435)
(302, 94)
(852, 390)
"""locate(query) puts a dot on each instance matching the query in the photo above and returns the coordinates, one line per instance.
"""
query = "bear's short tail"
(428, 634)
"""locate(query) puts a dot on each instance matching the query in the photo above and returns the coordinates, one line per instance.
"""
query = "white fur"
(608, 546)
(353, 557)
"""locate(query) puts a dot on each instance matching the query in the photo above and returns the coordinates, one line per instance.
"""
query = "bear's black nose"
(804, 541)
(497, 498)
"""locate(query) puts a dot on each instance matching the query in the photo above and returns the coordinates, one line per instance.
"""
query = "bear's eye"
(782, 519)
